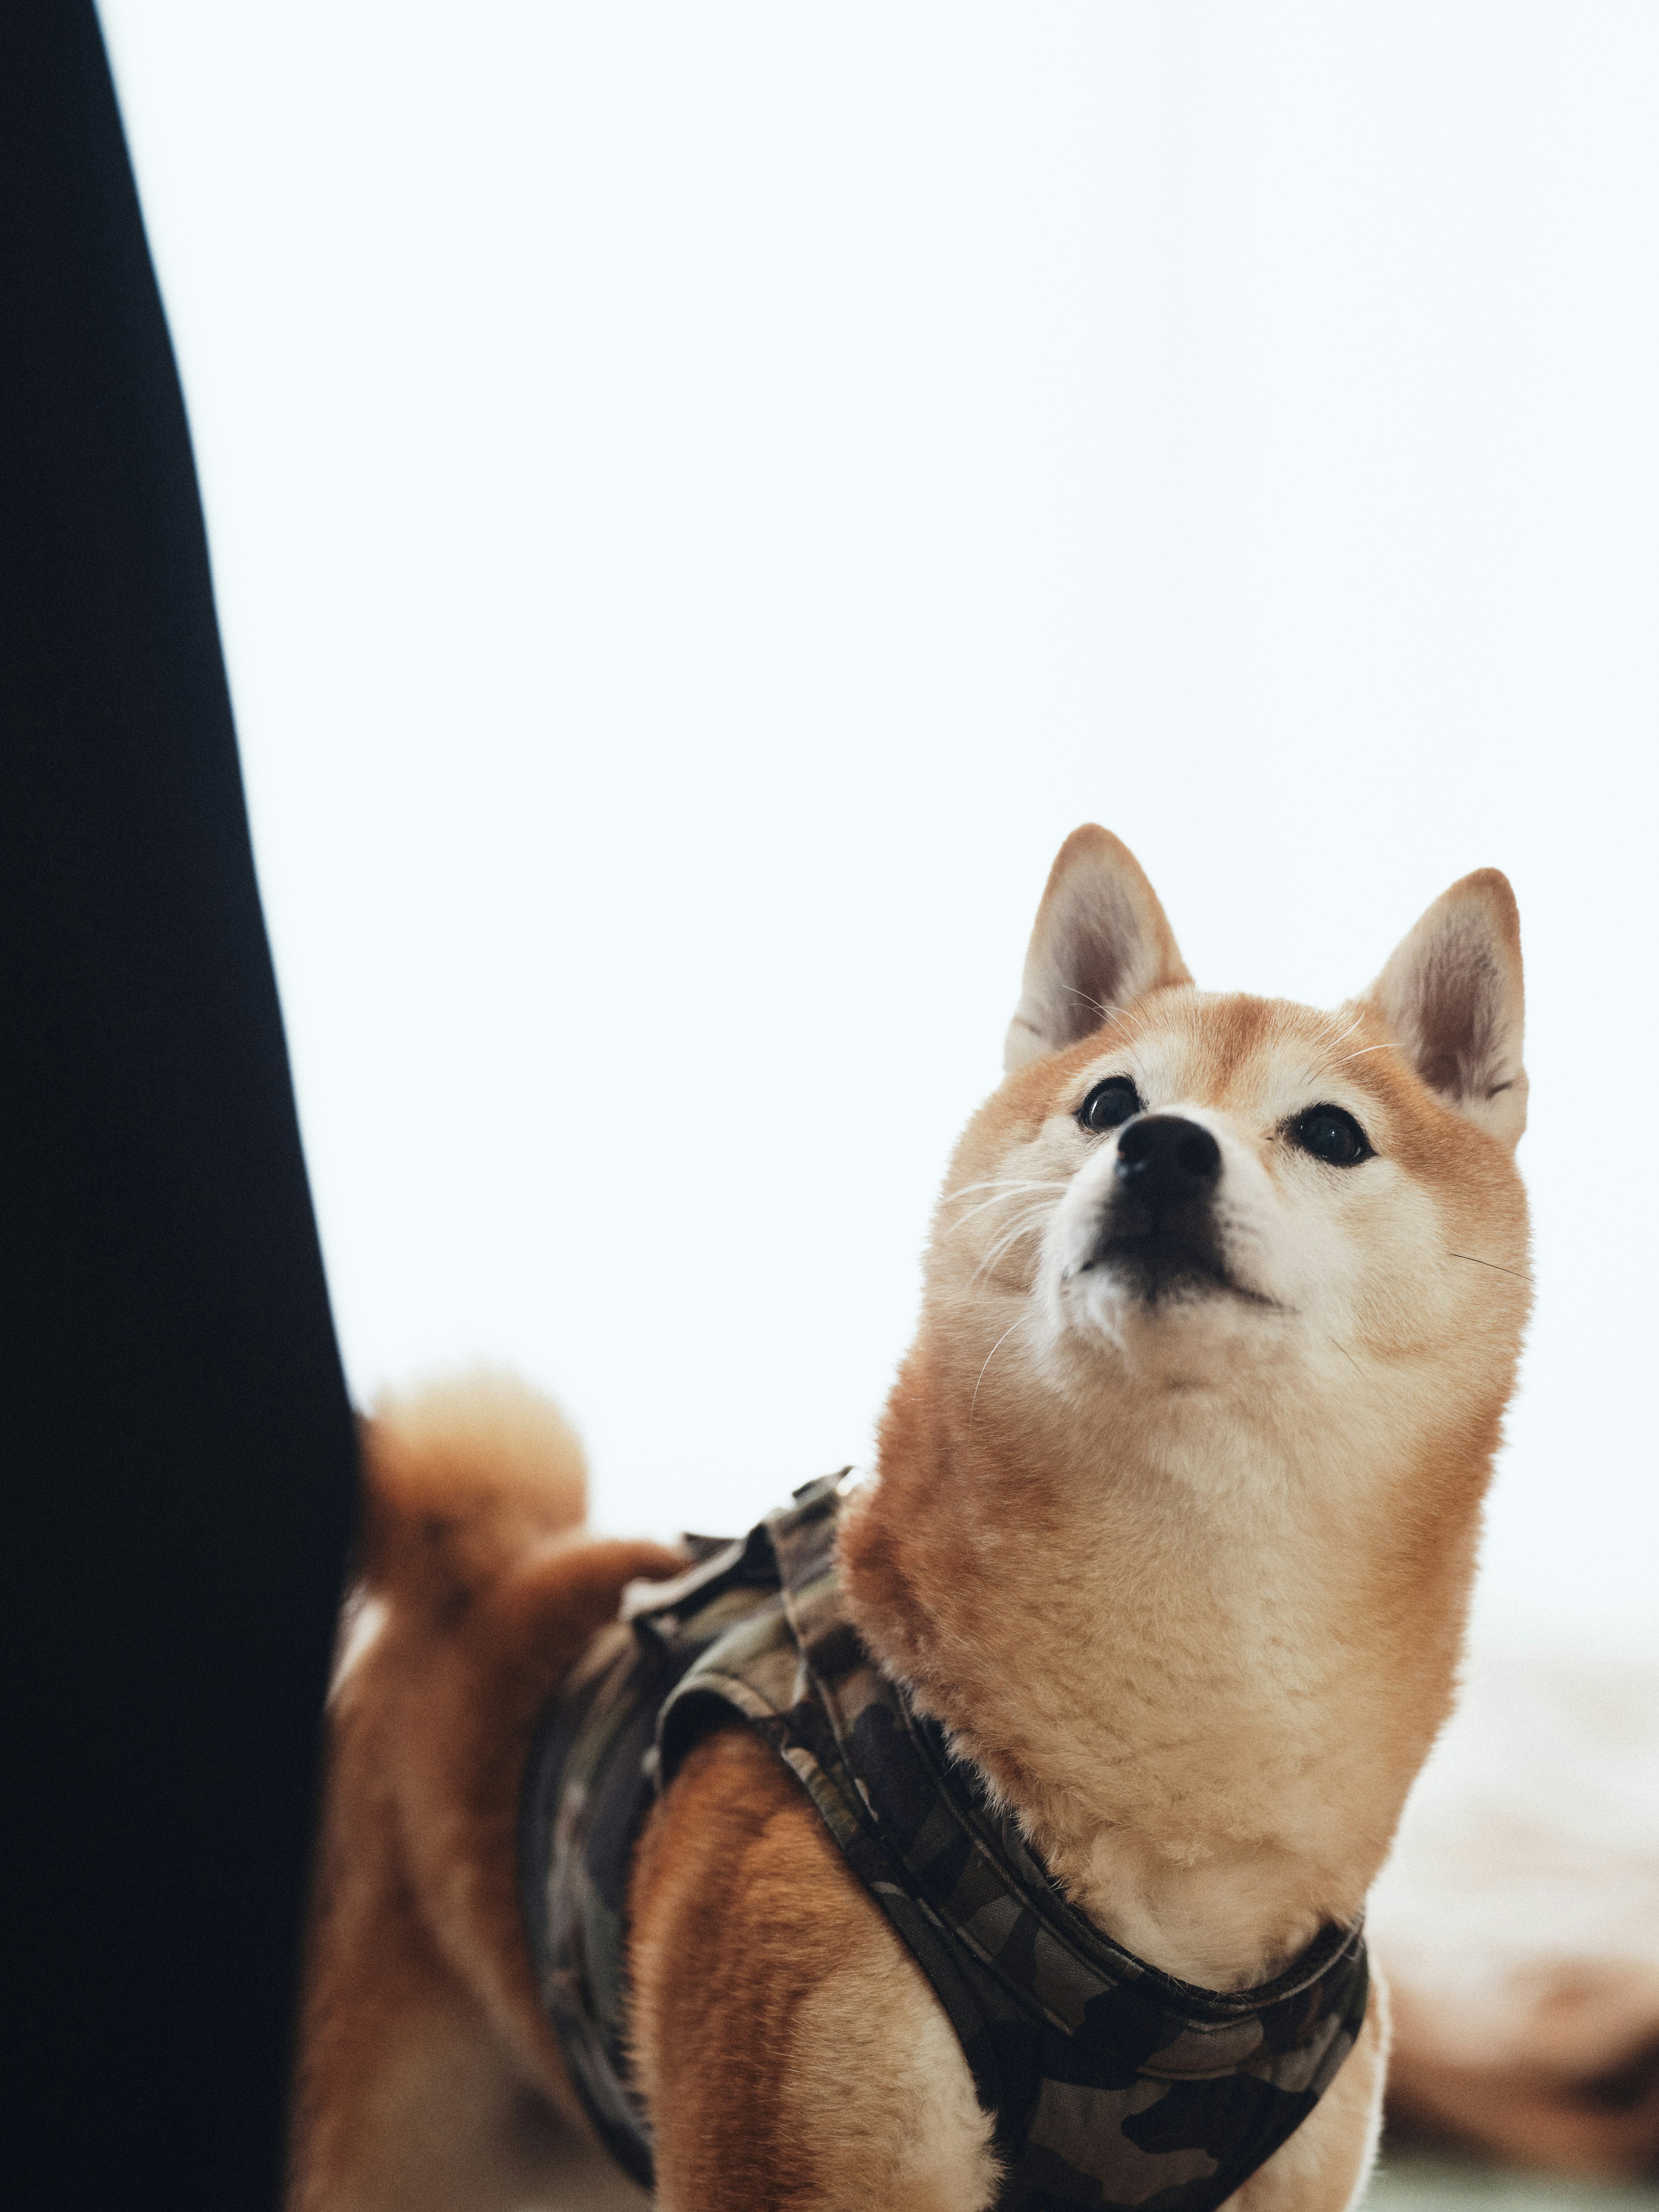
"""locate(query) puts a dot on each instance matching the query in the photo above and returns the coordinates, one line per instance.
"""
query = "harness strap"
(1110, 2083)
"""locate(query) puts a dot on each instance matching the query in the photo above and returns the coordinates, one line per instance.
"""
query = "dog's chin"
(1172, 1310)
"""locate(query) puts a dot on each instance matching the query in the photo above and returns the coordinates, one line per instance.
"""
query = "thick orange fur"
(1149, 1630)
(766, 1981)
(1185, 1576)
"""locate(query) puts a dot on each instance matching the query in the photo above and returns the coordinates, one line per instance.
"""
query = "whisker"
(989, 1356)
(1005, 1182)
(1113, 1018)
(957, 1225)
(1496, 1266)
(1033, 1218)
(1106, 1013)
(1028, 1224)
(1348, 1032)
(999, 1199)
(1391, 1045)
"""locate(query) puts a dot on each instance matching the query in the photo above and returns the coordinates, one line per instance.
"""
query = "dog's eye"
(1332, 1135)
(1109, 1105)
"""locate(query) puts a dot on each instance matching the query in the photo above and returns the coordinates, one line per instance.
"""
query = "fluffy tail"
(462, 1481)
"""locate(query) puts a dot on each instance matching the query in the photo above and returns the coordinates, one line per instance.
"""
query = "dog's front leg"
(791, 2052)
(1326, 2164)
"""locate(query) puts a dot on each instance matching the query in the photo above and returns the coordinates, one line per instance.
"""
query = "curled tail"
(474, 1601)
(462, 1481)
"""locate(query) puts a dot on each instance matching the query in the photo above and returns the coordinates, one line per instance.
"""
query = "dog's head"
(1176, 1192)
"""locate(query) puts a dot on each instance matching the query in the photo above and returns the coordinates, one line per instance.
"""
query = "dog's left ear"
(1451, 996)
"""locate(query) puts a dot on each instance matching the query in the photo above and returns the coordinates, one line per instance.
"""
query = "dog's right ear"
(1101, 940)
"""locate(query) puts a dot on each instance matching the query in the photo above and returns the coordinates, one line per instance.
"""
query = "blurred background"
(704, 499)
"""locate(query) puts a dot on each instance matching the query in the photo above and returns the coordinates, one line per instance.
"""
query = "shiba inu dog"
(1169, 1544)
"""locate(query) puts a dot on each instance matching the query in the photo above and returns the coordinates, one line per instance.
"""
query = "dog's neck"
(1202, 1663)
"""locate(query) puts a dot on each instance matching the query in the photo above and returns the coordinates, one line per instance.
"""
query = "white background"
(704, 497)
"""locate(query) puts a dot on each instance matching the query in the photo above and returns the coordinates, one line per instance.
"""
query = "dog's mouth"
(1165, 1252)
(1163, 1262)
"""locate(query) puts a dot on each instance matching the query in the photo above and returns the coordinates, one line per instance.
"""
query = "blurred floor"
(1410, 2181)
(1406, 2181)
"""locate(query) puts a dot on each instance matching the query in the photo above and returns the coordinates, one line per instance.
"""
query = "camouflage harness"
(1109, 2084)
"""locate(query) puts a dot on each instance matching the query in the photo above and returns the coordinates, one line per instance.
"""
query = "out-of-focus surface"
(1407, 2181)
(1518, 1918)
(702, 500)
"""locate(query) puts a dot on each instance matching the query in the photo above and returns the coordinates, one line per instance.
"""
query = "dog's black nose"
(1164, 1160)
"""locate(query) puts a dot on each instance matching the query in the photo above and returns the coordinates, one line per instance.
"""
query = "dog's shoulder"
(784, 2038)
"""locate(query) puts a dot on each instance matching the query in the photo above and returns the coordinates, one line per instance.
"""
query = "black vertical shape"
(176, 1451)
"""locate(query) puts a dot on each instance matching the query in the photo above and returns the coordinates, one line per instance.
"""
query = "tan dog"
(1173, 1529)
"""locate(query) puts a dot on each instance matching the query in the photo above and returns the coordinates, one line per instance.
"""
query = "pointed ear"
(1451, 997)
(1100, 940)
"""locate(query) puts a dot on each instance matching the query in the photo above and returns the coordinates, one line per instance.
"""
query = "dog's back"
(428, 2077)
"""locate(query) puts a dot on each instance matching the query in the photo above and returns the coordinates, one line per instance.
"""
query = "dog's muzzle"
(1158, 1230)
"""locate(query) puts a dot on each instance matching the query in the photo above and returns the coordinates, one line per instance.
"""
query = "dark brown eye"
(1109, 1105)
(1331, 1135)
